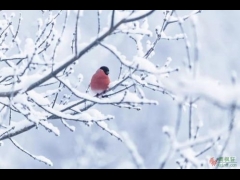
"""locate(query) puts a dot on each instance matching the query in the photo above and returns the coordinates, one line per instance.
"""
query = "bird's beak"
(107, 72)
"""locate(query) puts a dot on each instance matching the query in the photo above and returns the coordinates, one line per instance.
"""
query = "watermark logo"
(223, 162)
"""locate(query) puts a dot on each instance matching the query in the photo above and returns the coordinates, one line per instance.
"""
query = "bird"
(100, 80)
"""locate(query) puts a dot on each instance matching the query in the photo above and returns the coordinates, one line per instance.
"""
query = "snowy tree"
(47, 63)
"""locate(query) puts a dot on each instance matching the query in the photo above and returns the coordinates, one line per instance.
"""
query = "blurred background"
(91, 147)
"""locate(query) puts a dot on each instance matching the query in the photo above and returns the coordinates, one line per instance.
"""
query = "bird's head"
(105, 69)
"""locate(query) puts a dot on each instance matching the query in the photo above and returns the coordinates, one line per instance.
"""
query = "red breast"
(99, 81)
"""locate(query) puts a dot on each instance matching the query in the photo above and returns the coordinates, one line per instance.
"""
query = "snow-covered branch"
(39, 158)
(43, 79)
(37, 66)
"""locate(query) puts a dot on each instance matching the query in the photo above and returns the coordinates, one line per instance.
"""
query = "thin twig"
(19, 22)
(112, 21)
(140, 17)
(99, 22)
(190, 121)
(164, 25)
(179, 117)
(33, 156)
(232, 117)
(76, 31)
(185, 40)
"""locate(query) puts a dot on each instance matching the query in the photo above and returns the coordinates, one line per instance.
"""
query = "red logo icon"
(213, 161)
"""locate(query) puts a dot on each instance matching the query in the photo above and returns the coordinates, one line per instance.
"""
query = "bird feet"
(100, 94)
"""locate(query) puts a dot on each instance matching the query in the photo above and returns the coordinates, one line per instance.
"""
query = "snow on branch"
(71, 128)
(221, 95)
(35, 76)
(186, 149)
(138, 160)
(39, 158)
(129, 98)
(5, 131)
(104, 127)
(17, 128)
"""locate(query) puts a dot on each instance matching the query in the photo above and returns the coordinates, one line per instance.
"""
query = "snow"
(169, 60)
(39, 158)
(204, 86)
(50, 92)
(3, 23)
(175, 37)
(171, 18)
(21, 125)
(17, 40)
(182, 84)
(39, 98)
(27, 81)
(81, 13)
(130, 97)
(138, 62)
(145, 24)
(119, 15)
(144, 65)
(194, 19)
(7, 71)
(182, 18)
(68, 12)
(44, 160)
(104, 126)
(97, 115)
(84, 116)
(40, 22)
(80, 77)
(18, 127)
(152, 79)
(200, 140)
(50, 127)
(189, 154)
(137, 31)
(141, 92)
(29, 47)
(139, 13)
(4, 131)
(72, 128)
(139, 80)
(133, 150)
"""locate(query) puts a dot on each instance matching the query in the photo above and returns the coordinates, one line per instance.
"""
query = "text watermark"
(223, 162)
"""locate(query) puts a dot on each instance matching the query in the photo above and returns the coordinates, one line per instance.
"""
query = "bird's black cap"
(105, 69)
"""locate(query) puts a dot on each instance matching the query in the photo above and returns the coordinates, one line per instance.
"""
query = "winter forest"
(172, 103)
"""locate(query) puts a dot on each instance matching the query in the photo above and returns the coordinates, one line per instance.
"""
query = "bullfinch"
(100, 80)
